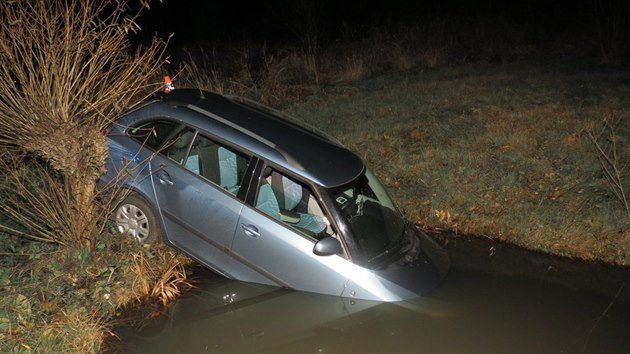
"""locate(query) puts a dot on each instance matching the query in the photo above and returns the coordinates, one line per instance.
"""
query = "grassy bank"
(495, 150)
(58, 300)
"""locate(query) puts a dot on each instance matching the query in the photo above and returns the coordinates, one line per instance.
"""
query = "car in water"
(260, 197)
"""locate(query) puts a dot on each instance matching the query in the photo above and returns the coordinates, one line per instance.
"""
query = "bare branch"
(613, 169)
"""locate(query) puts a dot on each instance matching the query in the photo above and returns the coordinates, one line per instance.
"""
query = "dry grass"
(253, 71)
(163, 283)
(276, 75)
(73, 332)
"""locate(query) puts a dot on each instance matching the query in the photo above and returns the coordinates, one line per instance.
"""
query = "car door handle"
(164, 178)
(251, 230)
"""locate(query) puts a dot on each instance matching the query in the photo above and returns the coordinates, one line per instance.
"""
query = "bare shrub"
(68, 70)
(35, 197)
(614, 165)
(353, 68)
(255, 72)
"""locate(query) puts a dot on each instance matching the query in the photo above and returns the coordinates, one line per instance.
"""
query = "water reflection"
(468, 313)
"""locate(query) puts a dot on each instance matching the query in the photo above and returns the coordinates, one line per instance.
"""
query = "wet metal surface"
(478, 309)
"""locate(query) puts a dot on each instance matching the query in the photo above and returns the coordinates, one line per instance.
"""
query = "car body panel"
(188, 205)
(286, 257)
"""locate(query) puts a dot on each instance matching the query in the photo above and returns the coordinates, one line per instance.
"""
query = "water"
(478, 309)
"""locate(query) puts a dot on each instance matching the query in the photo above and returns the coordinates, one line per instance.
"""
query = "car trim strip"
(249, 133)
(233, 125)
(260, 270)
(192, 230)
(225, 250)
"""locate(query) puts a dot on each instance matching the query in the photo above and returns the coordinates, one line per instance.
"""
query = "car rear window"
(152, 133)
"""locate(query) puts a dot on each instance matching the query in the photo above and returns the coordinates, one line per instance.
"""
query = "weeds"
(163, 283)
(65, 301)
(252, 71)
(281, 74)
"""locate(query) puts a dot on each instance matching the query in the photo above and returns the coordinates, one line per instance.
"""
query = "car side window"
(177, 147)
(152, 133)
(293, 203)
(215, 162)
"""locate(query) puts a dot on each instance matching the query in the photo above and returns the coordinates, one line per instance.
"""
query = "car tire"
(135, 217)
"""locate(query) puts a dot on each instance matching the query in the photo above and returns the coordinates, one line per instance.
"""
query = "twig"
(609, 160)
(612, 302)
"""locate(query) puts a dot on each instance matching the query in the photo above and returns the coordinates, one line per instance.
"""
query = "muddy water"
(497, 299)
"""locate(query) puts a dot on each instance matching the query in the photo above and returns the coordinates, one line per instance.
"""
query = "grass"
(495, 150)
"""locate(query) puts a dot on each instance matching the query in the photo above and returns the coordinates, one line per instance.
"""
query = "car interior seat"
(228, 169)
(204, 159)
(267, 201)
(211, 161)
(177, 151)
(290, 195)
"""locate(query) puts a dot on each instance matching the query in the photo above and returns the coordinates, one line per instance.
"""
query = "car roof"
(292, 146)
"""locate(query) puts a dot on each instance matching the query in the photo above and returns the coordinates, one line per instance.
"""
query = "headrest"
(184, 140)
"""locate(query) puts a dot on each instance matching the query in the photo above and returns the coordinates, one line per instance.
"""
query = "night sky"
(285, 21)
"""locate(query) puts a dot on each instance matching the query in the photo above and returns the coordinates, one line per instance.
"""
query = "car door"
(131, 150)
(199, 214)
(281, 253)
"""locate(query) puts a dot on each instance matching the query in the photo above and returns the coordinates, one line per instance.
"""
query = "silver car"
(259, 197)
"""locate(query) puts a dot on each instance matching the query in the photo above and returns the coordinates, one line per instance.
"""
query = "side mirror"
(327, 247)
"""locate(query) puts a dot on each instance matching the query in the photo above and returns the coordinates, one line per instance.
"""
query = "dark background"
(476, 30)
(286, 21)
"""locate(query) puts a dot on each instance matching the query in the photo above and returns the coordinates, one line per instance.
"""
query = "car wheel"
(134, 217)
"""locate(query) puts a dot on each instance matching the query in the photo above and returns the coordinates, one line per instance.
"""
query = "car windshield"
(376, 224)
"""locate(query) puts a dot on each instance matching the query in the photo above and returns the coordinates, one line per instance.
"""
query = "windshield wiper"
(393, 248)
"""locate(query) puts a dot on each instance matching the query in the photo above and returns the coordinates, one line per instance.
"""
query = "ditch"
(497, 298)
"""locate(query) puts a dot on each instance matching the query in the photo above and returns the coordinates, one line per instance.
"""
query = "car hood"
(418, 267)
